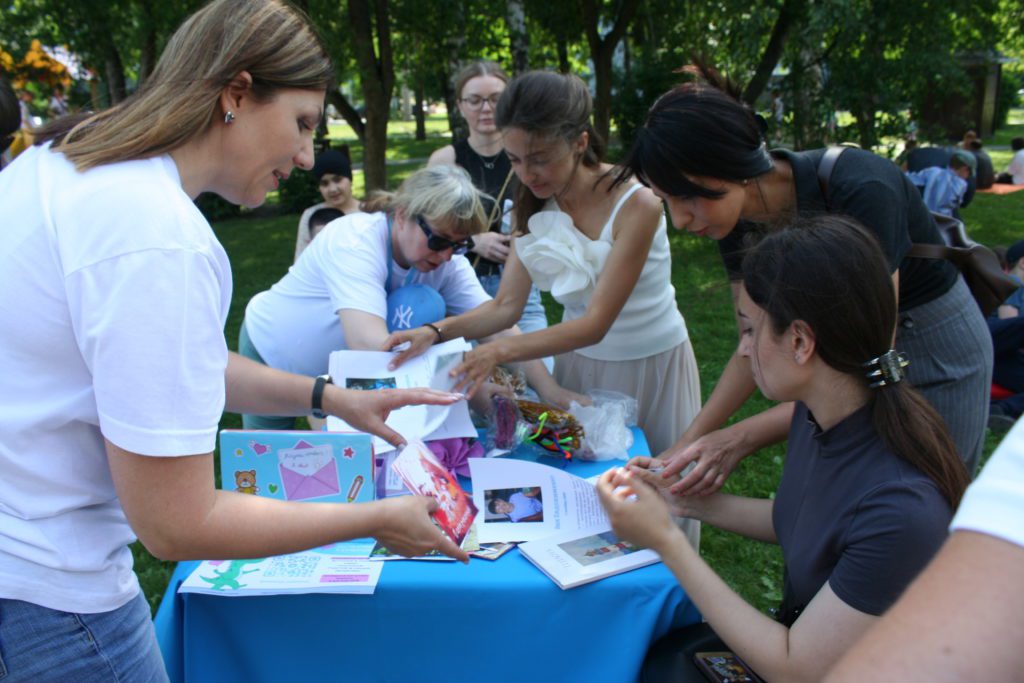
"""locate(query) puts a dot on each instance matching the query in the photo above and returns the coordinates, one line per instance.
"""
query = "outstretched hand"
(715, 456)
(408, 530)
(368, 410)
(637, 512)
(476, 368)
(419, 339)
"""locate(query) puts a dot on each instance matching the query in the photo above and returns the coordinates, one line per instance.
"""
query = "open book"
(573, 558)
(368, 370)
(526, 501)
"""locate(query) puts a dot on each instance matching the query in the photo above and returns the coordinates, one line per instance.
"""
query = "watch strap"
(316, 401)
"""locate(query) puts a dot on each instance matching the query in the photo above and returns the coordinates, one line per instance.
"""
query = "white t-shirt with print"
(113, 293)
(294, 325)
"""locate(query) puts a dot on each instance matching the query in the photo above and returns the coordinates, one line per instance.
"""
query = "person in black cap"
(333, 172)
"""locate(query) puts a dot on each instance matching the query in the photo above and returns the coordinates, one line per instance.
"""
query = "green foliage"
(298, 192)
(215, 208)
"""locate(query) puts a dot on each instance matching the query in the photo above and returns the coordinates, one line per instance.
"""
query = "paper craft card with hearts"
(322, 467)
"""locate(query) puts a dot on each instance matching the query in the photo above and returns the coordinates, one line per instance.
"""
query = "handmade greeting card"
(325, 467)
(421, 471)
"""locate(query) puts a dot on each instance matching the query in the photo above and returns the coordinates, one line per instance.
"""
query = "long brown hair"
(270, 39)
(829, 272)
(552, 106)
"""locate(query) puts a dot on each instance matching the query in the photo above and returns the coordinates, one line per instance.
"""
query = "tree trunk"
(421, 117)
(377, 78)
(116, 87)
(456, 43)
(348, 112)
(519, 39)
(562, 45)
(601, 51)
(147, 56)
(789, 14)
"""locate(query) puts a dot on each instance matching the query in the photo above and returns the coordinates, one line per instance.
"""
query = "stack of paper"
(368, 370)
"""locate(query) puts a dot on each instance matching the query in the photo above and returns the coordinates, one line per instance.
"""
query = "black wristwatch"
(318, 395)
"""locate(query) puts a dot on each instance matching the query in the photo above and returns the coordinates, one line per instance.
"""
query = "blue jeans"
(41, 644)
(246, 348)
(534, 318)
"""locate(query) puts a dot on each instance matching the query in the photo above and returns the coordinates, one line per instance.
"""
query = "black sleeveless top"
(488, 174)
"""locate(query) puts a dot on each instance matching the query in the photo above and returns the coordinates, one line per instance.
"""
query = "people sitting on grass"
(870, 479)
(333, 172)
(410, 245)
(1014, 174)
(702, 150)
(943, 188)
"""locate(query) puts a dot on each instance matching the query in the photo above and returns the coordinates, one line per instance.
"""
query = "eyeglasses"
(476, 102)
(437, 243)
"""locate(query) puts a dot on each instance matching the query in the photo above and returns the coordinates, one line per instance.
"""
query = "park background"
(870, 72)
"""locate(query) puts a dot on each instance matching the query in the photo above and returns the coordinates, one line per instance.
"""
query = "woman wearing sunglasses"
(336, 295)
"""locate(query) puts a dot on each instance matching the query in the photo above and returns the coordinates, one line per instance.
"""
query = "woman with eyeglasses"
(478, 87)
(600, 248)
(337, 294)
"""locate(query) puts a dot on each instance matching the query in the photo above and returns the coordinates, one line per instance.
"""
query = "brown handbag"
(979, 265)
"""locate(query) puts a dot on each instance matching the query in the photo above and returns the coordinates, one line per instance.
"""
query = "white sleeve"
(354, 269)
(149, 328)
(460, 288)
(994, 503)
(1016, 167)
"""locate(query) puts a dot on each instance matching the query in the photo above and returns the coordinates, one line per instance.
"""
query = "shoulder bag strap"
(825, 168)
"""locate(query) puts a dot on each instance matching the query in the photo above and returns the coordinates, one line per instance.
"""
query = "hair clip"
(886, 369)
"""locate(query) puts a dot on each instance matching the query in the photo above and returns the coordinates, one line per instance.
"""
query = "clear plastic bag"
(605, 425)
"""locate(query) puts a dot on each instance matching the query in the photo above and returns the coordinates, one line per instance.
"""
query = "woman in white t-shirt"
(114, 292)
(336, 295)
(601, 250)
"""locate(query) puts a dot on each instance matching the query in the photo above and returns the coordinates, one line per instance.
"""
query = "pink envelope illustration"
(308, 472)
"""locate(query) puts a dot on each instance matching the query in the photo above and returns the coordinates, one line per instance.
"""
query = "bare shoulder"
(444, 155)
(642, 208)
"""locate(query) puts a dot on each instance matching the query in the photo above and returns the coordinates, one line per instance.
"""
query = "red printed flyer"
(424, 475)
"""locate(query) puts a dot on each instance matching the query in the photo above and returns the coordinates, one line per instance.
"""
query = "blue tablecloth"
(429, 621)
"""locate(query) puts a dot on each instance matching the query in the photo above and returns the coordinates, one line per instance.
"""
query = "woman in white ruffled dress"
(601, 250)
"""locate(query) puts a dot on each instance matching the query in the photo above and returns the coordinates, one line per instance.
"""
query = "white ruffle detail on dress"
(560, 259)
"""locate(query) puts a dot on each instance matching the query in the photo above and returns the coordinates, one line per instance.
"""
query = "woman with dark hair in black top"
(870, 478)
(703, 152)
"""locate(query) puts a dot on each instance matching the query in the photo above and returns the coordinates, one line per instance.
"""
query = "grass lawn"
(261, 250)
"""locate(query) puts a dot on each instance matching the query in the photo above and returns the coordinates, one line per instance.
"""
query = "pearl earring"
(229, 117)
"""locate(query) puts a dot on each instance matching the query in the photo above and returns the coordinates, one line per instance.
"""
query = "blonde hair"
(438, 193)
(270, 39)
(475, 70)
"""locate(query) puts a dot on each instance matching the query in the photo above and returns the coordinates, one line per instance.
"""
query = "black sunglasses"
(437, 243)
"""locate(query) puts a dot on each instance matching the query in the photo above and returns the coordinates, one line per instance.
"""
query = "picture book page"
(525, 501)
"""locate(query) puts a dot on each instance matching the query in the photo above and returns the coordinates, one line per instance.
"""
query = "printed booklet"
(323, 467)
(421, 471)
(573, 558)
(528, 501)
(312, 571)
(368, 370)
